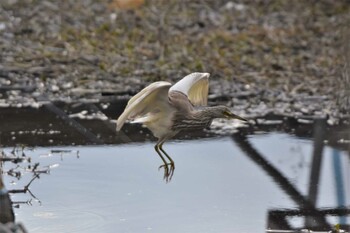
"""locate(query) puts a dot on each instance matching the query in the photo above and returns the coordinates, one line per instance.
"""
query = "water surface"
(217, 187)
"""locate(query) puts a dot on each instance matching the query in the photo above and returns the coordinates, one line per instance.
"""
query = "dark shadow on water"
(61, 124)
(66, 125)
(315, 218)
(22, 167)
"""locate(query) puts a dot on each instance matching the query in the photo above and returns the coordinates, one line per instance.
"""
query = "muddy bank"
(89, 124)
(265, 57)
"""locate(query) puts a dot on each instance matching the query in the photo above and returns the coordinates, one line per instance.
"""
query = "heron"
(167, 109)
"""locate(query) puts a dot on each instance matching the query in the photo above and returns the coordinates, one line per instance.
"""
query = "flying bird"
(167, 109)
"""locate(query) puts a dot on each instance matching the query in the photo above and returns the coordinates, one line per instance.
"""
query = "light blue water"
(215, 188)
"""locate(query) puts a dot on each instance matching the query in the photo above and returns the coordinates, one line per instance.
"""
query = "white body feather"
(195, 86)
(151, 100)
(151, 105)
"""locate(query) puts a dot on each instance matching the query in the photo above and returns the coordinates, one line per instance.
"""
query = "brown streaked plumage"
(166, 110)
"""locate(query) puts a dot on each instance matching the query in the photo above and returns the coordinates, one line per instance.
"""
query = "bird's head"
(225, 112)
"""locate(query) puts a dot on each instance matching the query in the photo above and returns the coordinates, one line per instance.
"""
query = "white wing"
(195, 86)
(152, 99)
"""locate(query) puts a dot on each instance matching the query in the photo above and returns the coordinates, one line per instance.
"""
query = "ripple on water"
(56, 220)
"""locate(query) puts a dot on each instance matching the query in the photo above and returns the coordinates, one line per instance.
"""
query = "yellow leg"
(156, 147)
(167, 174)
(161, 148)
(172, 164)
(165, 165)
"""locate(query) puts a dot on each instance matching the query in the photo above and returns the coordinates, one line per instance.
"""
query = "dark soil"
(265, 57)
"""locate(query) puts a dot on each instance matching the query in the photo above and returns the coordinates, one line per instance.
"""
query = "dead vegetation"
(269, 55)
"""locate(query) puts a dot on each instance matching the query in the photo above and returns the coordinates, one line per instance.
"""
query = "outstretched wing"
(152, 99)
(195, 86)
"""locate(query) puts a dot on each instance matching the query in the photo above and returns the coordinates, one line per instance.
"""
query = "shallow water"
(227, 184)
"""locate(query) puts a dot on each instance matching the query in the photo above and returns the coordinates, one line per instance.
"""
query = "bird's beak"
(234, 116)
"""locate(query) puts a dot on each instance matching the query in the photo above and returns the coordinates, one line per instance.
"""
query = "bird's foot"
(172, 165)
(168, 171)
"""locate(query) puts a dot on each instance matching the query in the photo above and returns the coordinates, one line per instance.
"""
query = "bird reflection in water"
(167, 109)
